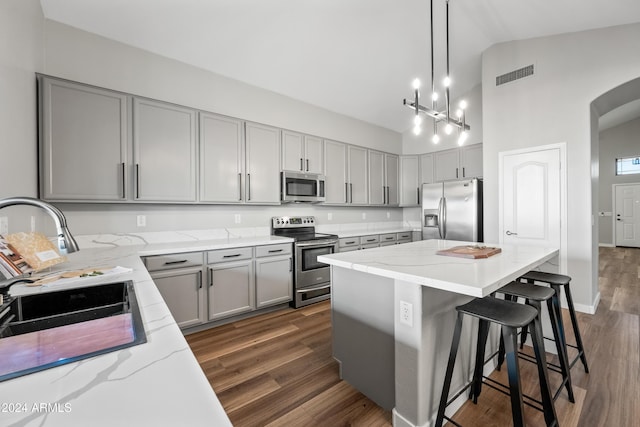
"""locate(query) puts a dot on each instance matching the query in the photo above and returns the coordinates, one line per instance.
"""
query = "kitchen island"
(393, 315)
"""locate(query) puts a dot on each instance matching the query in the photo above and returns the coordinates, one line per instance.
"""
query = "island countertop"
(417, 262)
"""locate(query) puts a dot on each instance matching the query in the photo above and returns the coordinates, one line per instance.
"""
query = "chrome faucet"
(66, 243)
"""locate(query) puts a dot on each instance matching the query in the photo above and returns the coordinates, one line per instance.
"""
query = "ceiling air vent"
(515, 75)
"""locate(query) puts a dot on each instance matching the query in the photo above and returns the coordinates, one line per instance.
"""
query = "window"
(627, 165)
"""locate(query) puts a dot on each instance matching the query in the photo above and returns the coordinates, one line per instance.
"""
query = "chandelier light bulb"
(459, 113)
(434, 96)
(416, 83)
(448, 128)
(435, 138)
(417, 129)
(447, 81)
(417, 120)
(462, 137)
(463, 104)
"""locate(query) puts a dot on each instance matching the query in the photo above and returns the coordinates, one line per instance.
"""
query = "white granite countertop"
(417, 262)
(158, 383)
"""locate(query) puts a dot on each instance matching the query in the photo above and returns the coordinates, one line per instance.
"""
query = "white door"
(531, 198)
(627, 220)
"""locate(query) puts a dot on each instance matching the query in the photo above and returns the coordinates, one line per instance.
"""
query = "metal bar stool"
(556, 281)
(510, 316)
(534, 295)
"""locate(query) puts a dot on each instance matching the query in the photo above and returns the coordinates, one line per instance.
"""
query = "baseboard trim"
(606, 245)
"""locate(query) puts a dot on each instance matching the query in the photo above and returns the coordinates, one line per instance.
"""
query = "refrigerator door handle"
(441, 210)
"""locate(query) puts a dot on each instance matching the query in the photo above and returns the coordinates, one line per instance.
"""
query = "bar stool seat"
(556, 281)
(510, 316)
(534, 295)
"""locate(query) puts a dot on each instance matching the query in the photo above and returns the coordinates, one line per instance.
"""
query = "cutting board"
(473, 252)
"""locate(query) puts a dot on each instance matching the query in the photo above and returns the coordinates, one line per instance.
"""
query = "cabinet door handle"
(273, 251)
(456, 172)
(200, 279)
(346, 192)
(307, 165)
(301, 167)
(210, 277)
(137, 181)
(124, 187)
(351, 192)
(231, 256)
(290, 264)
(248, 187)
(239, 186)
(182, 261)
(463, 173)
(418, 198)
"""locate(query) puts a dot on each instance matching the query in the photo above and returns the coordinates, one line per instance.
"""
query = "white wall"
(571, 70)
(21, 55)
(619, 141)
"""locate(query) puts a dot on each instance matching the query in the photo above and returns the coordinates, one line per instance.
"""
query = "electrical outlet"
(141, 220)
(4, 225)
(406, 313)
(329, 216)
(364, 215)
(237, 218)
(388, 215)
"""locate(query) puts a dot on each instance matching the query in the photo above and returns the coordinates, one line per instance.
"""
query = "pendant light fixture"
(439, 116)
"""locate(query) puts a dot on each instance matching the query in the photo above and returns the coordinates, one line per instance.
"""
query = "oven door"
(309, 271)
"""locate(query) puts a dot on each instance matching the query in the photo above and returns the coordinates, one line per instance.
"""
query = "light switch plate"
(141, 220)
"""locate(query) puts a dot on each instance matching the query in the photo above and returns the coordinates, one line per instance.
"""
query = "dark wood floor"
(277, 370)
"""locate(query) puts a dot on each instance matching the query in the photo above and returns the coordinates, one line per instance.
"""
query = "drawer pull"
(231, 256)
(273, 251)
(388, 238)
(371, 240)
(182, 261)
(350, 243)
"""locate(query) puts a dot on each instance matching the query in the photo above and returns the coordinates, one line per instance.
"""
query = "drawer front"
(171, 261)
(390, 237)
(349, 248)
(403, 241)
(347, 242)
(367, 240)
(233, 254)
(370, 245)
(273, 250)
(405, 235)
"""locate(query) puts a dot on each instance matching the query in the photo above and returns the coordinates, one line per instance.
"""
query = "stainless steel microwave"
(301, 187)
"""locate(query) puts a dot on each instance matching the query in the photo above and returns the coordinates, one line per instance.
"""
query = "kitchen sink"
(44, 330)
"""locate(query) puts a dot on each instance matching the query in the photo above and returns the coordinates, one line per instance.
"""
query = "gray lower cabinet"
(231, 282)
(274, 274)
(83, 142)
(179, 280)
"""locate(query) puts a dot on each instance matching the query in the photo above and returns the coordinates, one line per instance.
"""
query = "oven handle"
(317, 243)
(300, 291)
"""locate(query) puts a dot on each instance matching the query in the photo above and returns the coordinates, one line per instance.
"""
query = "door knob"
(509, 233)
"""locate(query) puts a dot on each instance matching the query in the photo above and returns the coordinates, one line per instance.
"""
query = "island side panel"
(422, 351)
(363, 332)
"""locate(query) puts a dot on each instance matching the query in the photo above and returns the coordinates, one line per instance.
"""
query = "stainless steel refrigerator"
(452, 210)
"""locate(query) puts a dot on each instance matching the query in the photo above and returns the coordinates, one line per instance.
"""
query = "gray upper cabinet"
(83, 142)
(391, 178)
(262, 164)
(446, 165)
(377, 188)
(301, 153)
(221, 159)
(426, 169)
(164, 152)
(471, 161)
(357, 175)
(335, 171)
(383, 178)
(409, 180)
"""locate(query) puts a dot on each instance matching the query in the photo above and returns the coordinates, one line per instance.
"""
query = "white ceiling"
(354, 57)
